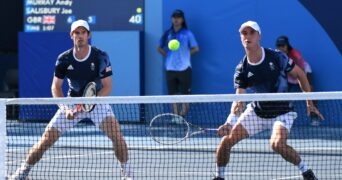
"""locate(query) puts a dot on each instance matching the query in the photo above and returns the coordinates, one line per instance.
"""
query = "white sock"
(220, 171)
(125, 167)
(24, 167)
(302, 167)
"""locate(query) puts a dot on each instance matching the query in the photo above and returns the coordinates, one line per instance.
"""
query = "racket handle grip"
(78, 108)
(63, 107)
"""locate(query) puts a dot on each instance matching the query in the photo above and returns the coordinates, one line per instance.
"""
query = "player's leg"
(112, 129)
(278, 142)
(184, 109)
(49, 137)
(237, 133)
(172, 88)
(52, 132)
(247, 125)
(185, 78)
(104, 118)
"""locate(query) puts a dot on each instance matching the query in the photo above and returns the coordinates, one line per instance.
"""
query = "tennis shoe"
(314, 123)
(21, 174)
(218, 178)
(126, 175)
(309, 175)
(177, 120)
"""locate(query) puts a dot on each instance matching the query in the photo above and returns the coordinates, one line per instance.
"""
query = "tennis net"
(85, 152)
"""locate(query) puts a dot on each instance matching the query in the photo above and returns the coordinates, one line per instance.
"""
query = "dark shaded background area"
(328, 15)
(11, 14)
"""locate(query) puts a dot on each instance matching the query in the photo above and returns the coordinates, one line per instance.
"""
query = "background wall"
(154, 72)
(216, 25)
(11, 13)
(310, 25)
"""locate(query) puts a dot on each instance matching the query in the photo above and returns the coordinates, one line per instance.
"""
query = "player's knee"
(111, 128)
(49, 138)
(46, 144)
(278, 146)
(109, 124)
(228, 141)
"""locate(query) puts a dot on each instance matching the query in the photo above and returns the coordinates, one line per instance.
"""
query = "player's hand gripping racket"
(171, 129)
(89, 91)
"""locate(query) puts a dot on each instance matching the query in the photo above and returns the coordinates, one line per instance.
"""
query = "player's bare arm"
(107, 86)
(194, 50)
(305, 86)
(161, 51)
(237, 109)
(56, 87)
(238, 106)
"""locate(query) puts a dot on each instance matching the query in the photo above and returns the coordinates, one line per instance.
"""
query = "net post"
(3, 148)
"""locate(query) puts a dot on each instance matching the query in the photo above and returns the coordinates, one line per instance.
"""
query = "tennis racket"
(171, 129)
(89, 91)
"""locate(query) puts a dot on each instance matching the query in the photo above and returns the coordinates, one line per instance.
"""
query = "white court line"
(289, 177)
(66, 156)
(325, 177)
(75, 156)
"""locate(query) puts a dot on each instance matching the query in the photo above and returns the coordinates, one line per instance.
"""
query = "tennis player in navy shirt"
(262, 71)
(178, 63)
(79, 65)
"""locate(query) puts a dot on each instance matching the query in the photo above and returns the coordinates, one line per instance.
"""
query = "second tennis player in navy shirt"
(262, 71)
(79, 66)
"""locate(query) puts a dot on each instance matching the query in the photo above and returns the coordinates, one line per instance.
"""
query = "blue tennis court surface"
(85, 153)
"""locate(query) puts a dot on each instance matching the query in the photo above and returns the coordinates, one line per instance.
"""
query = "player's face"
(80, 37)
(249, 37)
(283, 48)
(177, 21)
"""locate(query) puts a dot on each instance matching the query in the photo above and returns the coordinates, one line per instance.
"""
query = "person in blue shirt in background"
(178, 63)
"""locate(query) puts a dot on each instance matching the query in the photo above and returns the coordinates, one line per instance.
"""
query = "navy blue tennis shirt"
(79, 72)
(267, 76)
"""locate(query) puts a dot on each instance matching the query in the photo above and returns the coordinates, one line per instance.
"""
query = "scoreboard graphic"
(102, 15)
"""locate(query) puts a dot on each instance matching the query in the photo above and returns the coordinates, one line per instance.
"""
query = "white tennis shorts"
(97, 115)
(255, 124)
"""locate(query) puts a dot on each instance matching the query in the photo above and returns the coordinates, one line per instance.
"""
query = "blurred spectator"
(283, 44)
(178, 62)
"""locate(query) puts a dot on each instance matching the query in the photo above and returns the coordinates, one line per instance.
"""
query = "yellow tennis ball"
(174, 45)
(139, 10)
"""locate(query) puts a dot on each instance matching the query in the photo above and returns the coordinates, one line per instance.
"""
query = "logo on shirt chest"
(249, 74)
(70, 67)
(92, 66)
(272, 67)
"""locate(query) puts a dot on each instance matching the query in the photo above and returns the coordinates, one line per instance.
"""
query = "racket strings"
(89, 91)
(168, 129)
